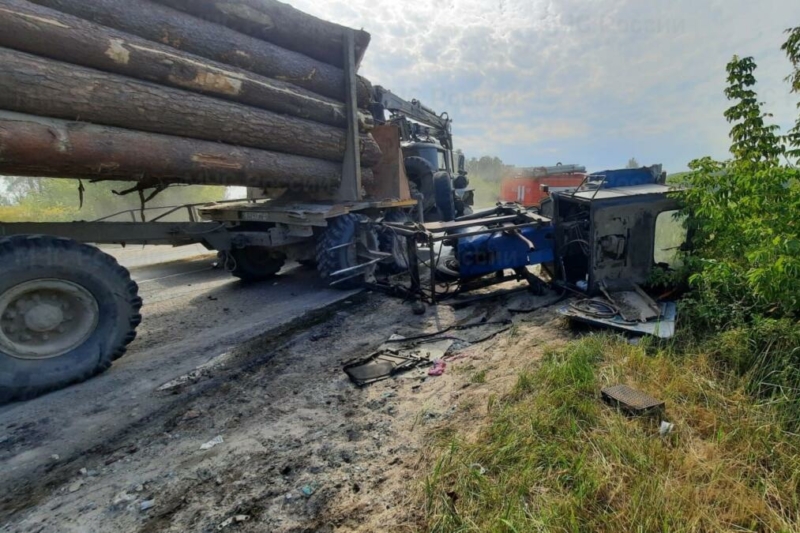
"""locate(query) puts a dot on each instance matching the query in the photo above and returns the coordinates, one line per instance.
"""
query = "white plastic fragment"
(213, 442)
(665, 428)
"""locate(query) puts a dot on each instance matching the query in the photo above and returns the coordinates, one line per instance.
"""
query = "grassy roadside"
(553, 457)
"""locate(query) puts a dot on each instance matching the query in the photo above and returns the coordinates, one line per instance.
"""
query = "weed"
(555, 458)
(478, 377)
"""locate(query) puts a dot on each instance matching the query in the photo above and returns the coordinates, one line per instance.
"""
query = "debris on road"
(146, 505)
(233, 520)
(213, 442)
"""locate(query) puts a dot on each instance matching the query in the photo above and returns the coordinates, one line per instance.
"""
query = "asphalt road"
(192, 313)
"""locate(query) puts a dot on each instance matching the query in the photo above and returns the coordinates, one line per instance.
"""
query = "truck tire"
(443, 187)
(67, 310)
(255, 263)
(392, 243)
(420, 173)
(345, 243)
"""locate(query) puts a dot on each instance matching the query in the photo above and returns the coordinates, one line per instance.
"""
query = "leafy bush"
(745, 266)
(746, 261)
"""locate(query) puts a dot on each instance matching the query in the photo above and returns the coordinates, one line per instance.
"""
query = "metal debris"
(213, 442)
(631, 400)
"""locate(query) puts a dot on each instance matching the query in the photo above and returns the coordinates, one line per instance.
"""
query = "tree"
(792, 49)
(743, 211)
(633, 163)
(54, 199)
(753, 139)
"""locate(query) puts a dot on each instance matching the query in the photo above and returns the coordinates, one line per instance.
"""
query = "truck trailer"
(168, 92)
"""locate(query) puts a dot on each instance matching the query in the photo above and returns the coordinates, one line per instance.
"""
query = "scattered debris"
(123, 497)
(76, 486)
(475, 466)
(307, 490)
(55, 457)
(379, 366)
(213, 442)
(233, 520)
(83, 472)
(609, 316)
(191, 414)
(665, 428)
(147, 504)
(438, 368)
(631, 400)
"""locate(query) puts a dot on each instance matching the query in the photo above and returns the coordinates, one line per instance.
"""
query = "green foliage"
(745, 266)
(747, 242)
(50, 199)
(753, 139)
(792, 49)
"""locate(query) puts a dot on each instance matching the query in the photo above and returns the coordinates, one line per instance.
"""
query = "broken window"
(670, 237)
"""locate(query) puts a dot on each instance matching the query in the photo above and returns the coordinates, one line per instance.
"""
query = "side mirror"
(462, 162)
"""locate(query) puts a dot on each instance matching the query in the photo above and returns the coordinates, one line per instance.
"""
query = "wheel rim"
(46, 318)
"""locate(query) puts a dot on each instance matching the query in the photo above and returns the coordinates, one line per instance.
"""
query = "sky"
(592, 82)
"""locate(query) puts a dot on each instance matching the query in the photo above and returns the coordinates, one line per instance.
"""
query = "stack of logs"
(215, 92)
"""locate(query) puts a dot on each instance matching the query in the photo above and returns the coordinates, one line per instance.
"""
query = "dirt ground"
(300, 448)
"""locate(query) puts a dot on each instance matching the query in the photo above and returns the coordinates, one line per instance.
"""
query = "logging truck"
(248, 93)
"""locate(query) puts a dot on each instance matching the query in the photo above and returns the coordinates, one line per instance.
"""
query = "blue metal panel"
(625, 177)
(484, 254)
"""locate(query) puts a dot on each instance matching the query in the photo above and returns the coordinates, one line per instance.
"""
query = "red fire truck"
(529, 186)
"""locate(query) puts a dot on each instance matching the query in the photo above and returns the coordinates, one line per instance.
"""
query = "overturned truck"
(250, 93)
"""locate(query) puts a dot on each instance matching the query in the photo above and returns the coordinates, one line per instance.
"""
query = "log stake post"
(350, 188)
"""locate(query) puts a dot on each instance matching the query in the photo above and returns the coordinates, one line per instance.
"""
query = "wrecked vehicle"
(602, 239)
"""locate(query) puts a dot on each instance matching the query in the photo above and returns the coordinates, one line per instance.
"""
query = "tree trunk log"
(277, 23)
(37, 86)
(161, 24)
(45, 32)
(45, 147)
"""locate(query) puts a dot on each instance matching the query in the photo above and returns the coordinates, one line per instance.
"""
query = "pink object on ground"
(438, 368)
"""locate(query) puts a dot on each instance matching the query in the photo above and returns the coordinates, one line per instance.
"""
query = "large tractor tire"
(255, 263)
(393, 243)
(420, 174)
(67, 310)
(443, 194)
(347, 241)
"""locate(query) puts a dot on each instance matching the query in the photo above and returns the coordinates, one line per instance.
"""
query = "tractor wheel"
(349, 240)
(255, 263)
(67, 310)
(392, 243)
(445, 204)
(420, 174)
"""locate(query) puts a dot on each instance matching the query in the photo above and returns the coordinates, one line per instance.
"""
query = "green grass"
(478, 377)
(553, 457)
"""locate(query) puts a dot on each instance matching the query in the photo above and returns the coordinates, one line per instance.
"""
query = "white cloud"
(601, 79)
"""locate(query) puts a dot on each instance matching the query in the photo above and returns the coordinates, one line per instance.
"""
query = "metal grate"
(631, 400)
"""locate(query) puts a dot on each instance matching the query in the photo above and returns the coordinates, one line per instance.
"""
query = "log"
(37, 86)
(164, 25)
(45, 32)
(277, 23)
(46, 147)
